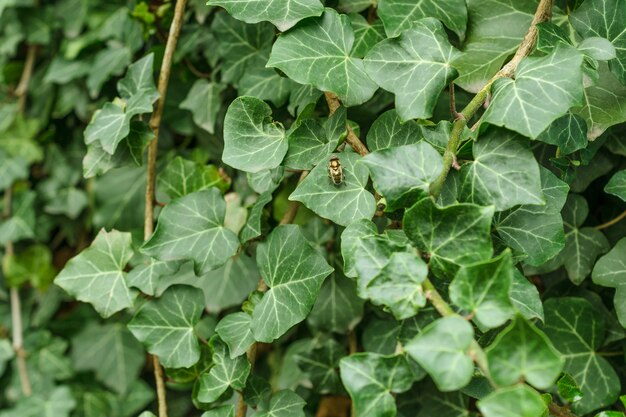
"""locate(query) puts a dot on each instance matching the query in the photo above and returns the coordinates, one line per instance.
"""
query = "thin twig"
(559, 411)
(543, 13)
(16, 308)
(453, 112)
(613, 221)
(155, 124)
(21, 91)
(353, 140)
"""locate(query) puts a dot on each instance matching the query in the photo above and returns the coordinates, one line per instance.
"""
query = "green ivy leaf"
(326, 63)
(523, 352)
(11, 169)
(441, 349)
(153, 277)
(59, 402)
(266, 84)
(372, 379)
(569, 389)
(577, 330)
(403, 174)
(166, 326)
(343, 203)
(281, 13)
(191, 228)
(182, 176)
(32, 265)
(321, 365)
(252, 228)
(398, 285)
(252, 142)
(536, 231)
(543, 90)
(495, 30)
(97, 276)
(352, 241)
(389, 131)
(398, 15)
(204, 103)
(604, 103)
(517, 401)
(525, 297)
(569, 133)
(366, 35)
(294, 272)
(590, 20)
(224, 373)
(504, 172)
(617, 185)
(416, 67)
(482, 289)
(240, 46)
(453, 236)
(230, 284)
(337, 308)
(312, 141)
(235, 331)
(112, 352)
(21, 224)
(284, 403)
(610, 271)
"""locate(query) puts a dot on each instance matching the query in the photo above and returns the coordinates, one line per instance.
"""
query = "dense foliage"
(462, 254)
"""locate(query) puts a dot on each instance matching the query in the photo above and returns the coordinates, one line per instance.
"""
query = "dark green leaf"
(235, 331)
(398, 15)
(282, 13)
(569, 133)
(617, 185)
(389, 131)
(224, 373)
(204, 103)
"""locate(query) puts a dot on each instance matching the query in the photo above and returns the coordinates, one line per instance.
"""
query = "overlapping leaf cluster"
(480, 277)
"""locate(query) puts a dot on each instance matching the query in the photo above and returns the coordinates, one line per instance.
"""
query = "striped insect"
(335, 171)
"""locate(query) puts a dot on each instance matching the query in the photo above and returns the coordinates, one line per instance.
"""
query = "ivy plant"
(291, 208)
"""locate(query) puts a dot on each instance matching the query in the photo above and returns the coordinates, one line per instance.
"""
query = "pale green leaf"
(482, 290)
(577, 330)
(525, 297)
(21, 224)
(598, 48)
(266, 84)
(453, 236)
(97, 276)
(398, 285)
(403, 174)
(617, 185)
(166, 326)
(281, 13)
(372, 379)
(569, 389)
(230, 284)
(235, 331)
(224, 373)
(495, 30)
(111, 352)
(504, 172)
(204, 103)
(252, 142)
(517, 401)
(605, 19)
(266, 180)
(610, 271)
(59, 402)
(137, 87)
(12, 169)
(352, 241)
(182, 176)
(416, 67)
(569, 133)
(523, 352)
(312, 141)
(532, 230)
(191, 228)
(240, 46)
(108, 126)
(337, 308)
(294, 273)
(153, 277)
(326, 62)
(284, 403)
(389, 131)
(543, 90)
(343, 203)
(399, 15)
(441, 349)
(604, 103)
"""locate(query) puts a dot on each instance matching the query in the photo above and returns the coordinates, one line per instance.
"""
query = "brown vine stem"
(353, 140)
(613, 221)
(16, 308)
(21, 91)
(543, 14)
(155, 124)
